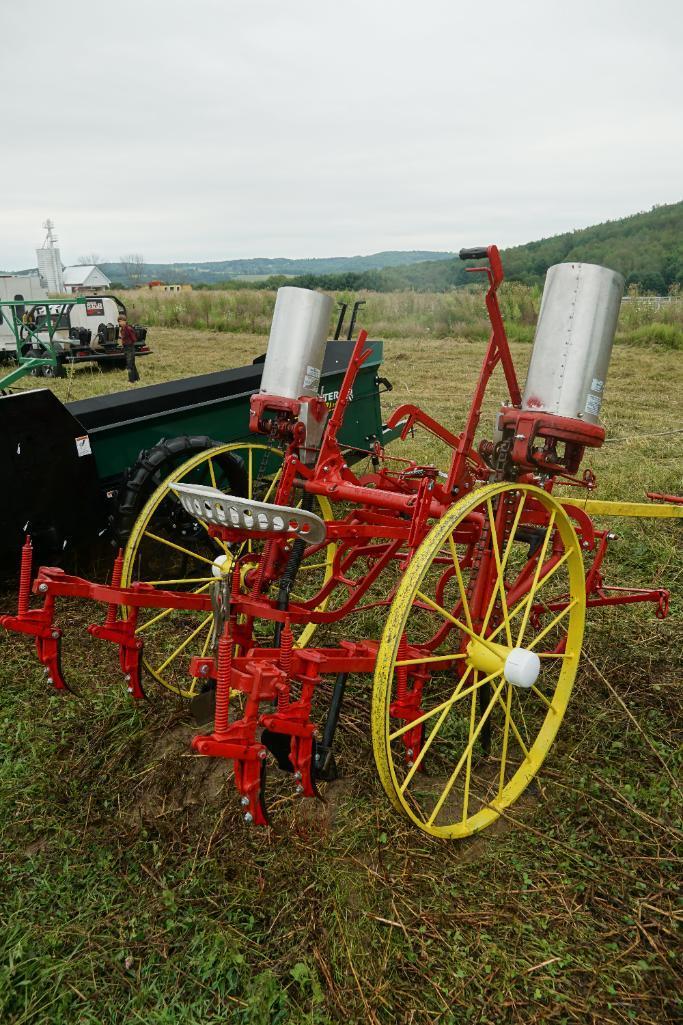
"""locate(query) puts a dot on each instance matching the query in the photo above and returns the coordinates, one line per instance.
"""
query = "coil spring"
(286, 645)
(223, 679)
(25, 576)
(116, 574)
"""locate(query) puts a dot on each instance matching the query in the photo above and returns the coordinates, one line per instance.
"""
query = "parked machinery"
(42, 338)
(100, 459)
(481, 573)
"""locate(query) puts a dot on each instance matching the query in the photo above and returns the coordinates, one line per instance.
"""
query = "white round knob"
(218, 563)
(522, 667)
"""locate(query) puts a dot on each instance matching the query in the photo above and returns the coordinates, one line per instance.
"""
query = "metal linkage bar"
(29, 335)
(665, 510)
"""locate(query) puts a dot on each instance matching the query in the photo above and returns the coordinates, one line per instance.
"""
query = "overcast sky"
(215, 129)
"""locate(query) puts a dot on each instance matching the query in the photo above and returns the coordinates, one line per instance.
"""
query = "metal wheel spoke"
(502, 564)
(272, 485)
(430, 658)
(181, 647)
(214, 483)
(461, 585)
(192, 691)
(205, 645)
(541, 695)
(456, 622)
(212, 473)
(425, 747)
(216, 540)
(468, 763)
(457, 695)
(521, 713)
(507, 708)
(178, 548)
(553, 623)
(154, 619)
(501, 579)
(513, 531)
(449, 785)
(167, 612)
(523, 603)
(537, 573)
(506, 734)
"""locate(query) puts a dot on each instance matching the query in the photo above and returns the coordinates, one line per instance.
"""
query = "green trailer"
(82, 471)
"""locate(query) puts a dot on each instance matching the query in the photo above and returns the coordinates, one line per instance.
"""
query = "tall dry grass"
(456, 314)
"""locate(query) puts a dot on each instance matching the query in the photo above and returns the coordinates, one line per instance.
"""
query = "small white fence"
(655, 301)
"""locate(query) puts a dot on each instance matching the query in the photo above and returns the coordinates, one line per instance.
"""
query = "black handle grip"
(475, 253)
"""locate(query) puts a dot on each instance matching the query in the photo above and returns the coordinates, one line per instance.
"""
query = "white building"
(85, 280)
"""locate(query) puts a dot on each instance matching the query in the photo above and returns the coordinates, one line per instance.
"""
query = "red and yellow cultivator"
(248, 556)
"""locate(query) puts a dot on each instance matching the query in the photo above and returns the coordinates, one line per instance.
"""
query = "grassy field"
(131, 892)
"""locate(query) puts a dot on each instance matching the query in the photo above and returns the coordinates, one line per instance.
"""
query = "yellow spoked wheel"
(473, 675)
(170, 550)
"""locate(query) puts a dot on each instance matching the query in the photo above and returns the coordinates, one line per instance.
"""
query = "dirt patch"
(175, 779)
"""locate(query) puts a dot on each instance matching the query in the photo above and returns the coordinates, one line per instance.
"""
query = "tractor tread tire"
(145, 475)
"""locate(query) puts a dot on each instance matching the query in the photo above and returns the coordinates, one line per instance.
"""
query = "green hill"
(647, 248)
(214, 271)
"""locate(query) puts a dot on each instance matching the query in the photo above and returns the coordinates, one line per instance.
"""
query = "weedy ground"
(131, 892)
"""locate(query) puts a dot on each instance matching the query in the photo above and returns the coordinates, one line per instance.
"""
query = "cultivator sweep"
(481, 573)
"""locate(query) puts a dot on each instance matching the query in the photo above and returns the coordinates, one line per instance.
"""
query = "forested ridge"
(217, 272)
(647, 248)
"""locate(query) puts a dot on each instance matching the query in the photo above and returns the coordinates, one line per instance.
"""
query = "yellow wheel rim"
(479, 739)
(172, 637)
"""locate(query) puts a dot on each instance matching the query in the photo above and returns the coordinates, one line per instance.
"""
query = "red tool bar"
(348, 658)
(342, 491)
(54, 581)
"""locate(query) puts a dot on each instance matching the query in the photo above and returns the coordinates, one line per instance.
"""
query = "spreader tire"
(153, 466)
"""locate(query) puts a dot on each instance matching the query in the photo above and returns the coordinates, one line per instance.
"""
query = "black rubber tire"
(55, 371)
(152, 466)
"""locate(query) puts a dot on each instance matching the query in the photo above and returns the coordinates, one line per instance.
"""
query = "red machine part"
(52, 582)
(237, 740)
(655, 496)
(392, 513)
(527, 425)
(284, 423)
(38, 623)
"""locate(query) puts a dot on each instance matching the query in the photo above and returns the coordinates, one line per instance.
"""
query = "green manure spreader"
(77, 472)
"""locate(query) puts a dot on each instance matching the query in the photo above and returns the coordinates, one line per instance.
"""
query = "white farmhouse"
(85, 280)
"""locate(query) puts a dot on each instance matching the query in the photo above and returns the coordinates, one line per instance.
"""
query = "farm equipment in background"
(84, 470)
(343, 307)
(46, 336)
(481, 571)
